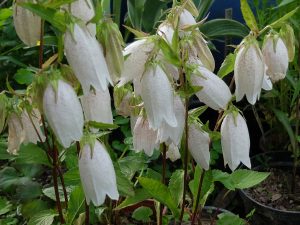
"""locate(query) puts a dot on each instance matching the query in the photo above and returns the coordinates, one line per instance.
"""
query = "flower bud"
(16, 134)
(97, 107)
(27, 24)
(157, 94)
(276, 57)
(144, 138)
(214, 93)
(111, 39)
(84, 10)
(198, 141)
(136, 55)
(86, 58)
(249, 70)
(97, 174)
(63, 112)
(173, 152)
(235, 141)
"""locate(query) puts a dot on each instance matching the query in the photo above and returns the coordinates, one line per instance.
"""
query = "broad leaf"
(31, 208)
(278, 23)
(247, 178)
(142, 214)
(227, 66)
(230, 219)
(160, 192)
(139, 195)
(5, 206)
(76, 204)
(224, 27)
(43, 218)
(176, 185)
(125, 187)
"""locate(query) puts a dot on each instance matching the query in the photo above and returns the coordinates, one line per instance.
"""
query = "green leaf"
(31, 208)
(32, 154)
(247, 178)
(142, 214)
(57, 3)
(203, 7)
(139, 195)
(8, 178)
(227, 66)
(168, 52)
(103, 126)
(24, 76)
(153, 10)
(3, 153)
(135, 12)
(28, 189)
(53, 16)
(284, 120)
(176, 185)
(284, 3)
(224, 27)
(5, 206)
(279, 22)
(50, 193)
(45, 217)
(125, 187)
(5, 14)
(230, 219)
(76, 204)
(131, 164)
(249, 16)
(72, 177)
(160, 192)
(224, 178)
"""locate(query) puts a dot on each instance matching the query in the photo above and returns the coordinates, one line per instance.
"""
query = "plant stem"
(62, 181)
(185, 163)
(41, 49)
(55, 183)
(198, 197)
(164, 160)
(87, 214)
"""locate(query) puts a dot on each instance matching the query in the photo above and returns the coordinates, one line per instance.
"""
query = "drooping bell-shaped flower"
(27, 24)
(173, 152)
(97, 107)
(214, 93)
(97, 174)
(186, 19)
(166, 31)
(169, 134)
(198, 141)
(144, 138)
(157, 94)
(16, 134)
(249, 70)
(63, 112)
(86, 58)
(84, 10)
(235, 141)
(276, 57)
(136, 55)
(267, 83)
(31, 127)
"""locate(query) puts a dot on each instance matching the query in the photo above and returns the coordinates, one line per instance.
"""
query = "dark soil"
(275, 191)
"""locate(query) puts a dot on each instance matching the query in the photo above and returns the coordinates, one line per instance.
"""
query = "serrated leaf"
(76, 204)
(247, 178)
(45, 217)
(50, 193)
(125, 186)
(8, 178)
(249, 16)
(28, 189)
(176, 185)
(139, 195)
(227, 66)
(32, 154)
(160, 192)
(30, 208)
(224, 178)
(224, 27)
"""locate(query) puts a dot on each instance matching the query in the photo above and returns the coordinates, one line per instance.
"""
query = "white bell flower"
(276, 58)
(249, 70)
(235, 141)
(136, 55)
(63, 113)
(97, 107)
(144, 138)
(214, 93)
(198, 141)
(27, 24)
(84, 10)
(86, 58)
(157, 94)
(97, 174)
(167, 133)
